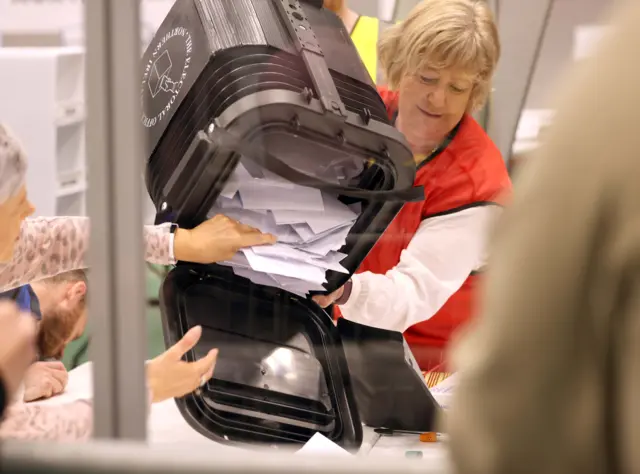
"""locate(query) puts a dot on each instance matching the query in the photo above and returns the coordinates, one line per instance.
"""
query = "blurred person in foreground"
(550, 370)
(421, 276)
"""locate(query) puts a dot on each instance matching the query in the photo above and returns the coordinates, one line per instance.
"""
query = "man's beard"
(54, 331)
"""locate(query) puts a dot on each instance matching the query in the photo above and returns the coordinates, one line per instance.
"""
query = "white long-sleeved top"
(444, 251)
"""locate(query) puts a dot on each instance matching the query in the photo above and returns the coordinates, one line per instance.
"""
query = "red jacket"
(469, 172)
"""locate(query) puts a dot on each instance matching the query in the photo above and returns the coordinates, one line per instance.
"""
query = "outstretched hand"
(326, 300)
(168, 376)
(217, 240)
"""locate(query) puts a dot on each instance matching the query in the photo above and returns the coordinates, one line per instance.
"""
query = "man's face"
(64, 322)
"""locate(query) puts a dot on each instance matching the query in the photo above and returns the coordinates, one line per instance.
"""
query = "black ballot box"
(273, 92)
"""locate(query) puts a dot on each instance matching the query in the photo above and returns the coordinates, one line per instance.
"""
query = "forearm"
(394, 301)
(158, 244)
(34, 422)
(26, 422)
(440, 257)
(48, 246)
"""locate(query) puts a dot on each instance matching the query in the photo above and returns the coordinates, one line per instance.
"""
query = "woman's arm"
(69, 422)
(51, 245)
(440, 257)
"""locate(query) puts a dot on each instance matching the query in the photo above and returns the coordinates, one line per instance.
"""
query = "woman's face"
(12, 212)
(431, 103)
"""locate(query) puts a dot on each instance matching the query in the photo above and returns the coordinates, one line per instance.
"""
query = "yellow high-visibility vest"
(365, 36)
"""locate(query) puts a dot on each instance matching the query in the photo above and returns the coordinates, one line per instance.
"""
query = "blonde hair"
(442, 34)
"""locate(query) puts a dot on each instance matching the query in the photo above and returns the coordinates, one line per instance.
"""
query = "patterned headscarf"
(13, 164)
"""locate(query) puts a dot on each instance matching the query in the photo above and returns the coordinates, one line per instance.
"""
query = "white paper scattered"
(321, 445)
(311, 227)
(232, 185)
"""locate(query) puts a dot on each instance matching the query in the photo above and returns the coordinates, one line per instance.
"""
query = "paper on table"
(321, 445)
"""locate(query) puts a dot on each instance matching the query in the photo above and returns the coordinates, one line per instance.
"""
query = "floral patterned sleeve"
(48, 246)
(69, 422)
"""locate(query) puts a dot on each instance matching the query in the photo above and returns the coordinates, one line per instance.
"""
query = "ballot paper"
(320, 445)
(311, 227)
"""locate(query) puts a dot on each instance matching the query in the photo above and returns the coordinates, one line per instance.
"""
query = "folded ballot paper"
(311, 226)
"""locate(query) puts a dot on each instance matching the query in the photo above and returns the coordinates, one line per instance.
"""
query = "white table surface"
(167, 427)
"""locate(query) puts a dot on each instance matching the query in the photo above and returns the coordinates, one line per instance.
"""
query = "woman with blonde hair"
(421, 277)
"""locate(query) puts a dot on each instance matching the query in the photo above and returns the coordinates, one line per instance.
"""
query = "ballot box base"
(285, 371)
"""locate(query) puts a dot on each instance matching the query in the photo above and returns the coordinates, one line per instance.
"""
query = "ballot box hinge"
(306, 43)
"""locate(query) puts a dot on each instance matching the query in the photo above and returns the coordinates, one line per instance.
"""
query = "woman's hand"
(17, 346)
(216, 240)
(168, 376)
(325, 300)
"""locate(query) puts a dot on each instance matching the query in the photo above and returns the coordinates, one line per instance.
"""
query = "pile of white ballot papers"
(311, 226)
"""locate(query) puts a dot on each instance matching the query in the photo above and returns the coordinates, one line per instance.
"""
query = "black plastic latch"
(307, 44)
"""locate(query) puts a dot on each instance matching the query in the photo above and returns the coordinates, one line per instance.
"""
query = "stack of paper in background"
(311, 226)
